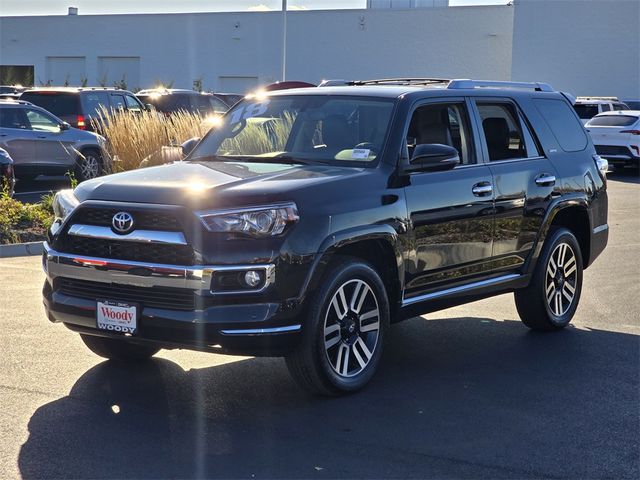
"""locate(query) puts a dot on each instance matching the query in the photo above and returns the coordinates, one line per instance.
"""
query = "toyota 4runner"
(307, 221)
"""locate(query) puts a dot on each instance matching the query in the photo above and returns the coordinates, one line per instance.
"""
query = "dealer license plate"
(115, 316)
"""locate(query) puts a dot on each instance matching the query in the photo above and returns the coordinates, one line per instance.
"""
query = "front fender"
(336, 242)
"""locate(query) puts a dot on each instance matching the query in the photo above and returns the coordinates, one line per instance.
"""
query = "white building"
(585, 47)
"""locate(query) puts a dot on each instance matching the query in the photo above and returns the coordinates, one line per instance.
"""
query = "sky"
(86, 7)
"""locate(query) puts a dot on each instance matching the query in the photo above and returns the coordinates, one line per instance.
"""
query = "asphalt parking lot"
(464, 393)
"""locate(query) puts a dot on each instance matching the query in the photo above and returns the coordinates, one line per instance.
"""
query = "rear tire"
(88, 165)
(344, 331)
(551, 299)
(115, 349)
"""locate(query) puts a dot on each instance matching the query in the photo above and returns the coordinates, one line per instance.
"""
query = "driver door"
(451, 211)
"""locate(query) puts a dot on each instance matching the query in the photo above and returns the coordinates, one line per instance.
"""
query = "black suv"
(309, 220)
(78, 105)
(173, 100)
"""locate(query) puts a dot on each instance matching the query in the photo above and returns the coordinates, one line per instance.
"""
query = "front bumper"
(249, 324)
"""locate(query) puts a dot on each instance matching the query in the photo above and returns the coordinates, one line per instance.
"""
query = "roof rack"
(400, 81)
(468, 84)
(613, 99)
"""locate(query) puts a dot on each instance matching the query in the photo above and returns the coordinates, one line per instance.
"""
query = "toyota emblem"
(122, 222)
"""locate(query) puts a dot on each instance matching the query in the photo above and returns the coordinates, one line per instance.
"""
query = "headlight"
(264, 221)
(63, 204)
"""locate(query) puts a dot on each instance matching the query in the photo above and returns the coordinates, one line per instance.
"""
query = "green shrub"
(21, 222)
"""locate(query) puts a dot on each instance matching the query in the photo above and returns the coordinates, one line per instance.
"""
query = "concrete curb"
(21, 249)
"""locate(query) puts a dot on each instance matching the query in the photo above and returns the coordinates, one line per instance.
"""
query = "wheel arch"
(573, 214)
(377, 245)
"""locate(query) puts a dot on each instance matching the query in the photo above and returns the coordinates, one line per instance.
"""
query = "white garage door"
(119, 71)
(66, 71)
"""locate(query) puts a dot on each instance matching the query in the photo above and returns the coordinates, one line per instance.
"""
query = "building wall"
(232, 50)
(583, 47)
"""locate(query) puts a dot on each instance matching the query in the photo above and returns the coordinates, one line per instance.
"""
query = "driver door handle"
(482, 189)
(545, 180)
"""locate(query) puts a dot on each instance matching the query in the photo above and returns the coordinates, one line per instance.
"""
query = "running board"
(461, 289)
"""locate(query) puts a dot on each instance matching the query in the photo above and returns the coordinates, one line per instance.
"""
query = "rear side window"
(613, 121)
(59, 103)
(95, 103)
(563, 123)
(168, 103)
(503, 132)
(586, 110)
(117, 101)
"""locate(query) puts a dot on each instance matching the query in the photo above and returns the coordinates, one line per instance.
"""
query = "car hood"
(211, 184)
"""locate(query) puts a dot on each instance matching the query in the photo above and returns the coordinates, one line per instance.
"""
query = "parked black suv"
(173, 100)
(78, 105)
(311, 219)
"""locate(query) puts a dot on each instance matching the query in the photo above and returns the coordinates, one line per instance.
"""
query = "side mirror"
(189, 145)
(64, 126)
(148, 107)
(433, 157)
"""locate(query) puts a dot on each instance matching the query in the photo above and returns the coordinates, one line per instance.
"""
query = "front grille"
(612, 150)
(152, 297)
(124, 250)
(142, 219)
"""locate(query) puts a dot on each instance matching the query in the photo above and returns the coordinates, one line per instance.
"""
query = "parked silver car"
(42, 144)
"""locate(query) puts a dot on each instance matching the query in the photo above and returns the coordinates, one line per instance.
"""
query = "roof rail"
(401, 81)
(383, 81)
(614, 99)
(467, 84)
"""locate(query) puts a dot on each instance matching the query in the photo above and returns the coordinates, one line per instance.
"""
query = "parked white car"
(589, 107)
(616, 136)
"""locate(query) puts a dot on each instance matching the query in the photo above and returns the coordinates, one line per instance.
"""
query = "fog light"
(252, 278)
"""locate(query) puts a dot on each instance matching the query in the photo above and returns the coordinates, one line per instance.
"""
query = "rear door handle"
(545, 180)
(482, 189)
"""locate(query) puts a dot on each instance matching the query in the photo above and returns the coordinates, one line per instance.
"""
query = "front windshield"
(308, 129)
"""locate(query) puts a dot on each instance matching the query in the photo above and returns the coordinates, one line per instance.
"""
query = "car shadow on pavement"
(625, 176)
(465, 397)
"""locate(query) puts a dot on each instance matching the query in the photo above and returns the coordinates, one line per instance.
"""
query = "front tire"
(344, 331)
(551, 299)
(116, 349)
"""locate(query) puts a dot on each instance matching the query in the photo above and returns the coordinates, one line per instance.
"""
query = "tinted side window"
(13, 118)
(202, 105)
(444, 123)
(218, 105)
(605, 107)
(563, 123)
(95, 102)
(502, 131)
(132, 104)
(117, 101)
(58, 103)
(619, 106)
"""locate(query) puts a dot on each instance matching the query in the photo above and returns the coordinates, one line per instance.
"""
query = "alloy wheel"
(89, 167)
(561, 279)
(351, 328)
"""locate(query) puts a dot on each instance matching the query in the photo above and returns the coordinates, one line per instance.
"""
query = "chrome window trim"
(142, 236)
